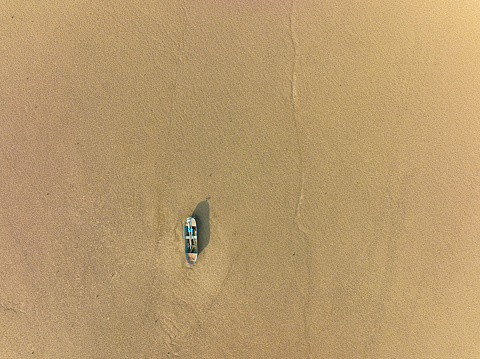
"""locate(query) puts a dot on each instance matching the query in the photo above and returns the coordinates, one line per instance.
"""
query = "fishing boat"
(191, 244)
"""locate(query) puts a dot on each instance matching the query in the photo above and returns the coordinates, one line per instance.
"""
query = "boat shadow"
(202, 217)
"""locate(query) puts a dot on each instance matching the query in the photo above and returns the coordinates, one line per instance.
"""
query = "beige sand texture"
(338, 142)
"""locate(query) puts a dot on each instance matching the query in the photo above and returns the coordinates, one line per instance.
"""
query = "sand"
(330, 149)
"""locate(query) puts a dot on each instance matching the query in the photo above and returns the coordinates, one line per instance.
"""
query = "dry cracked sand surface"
(330, 148)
